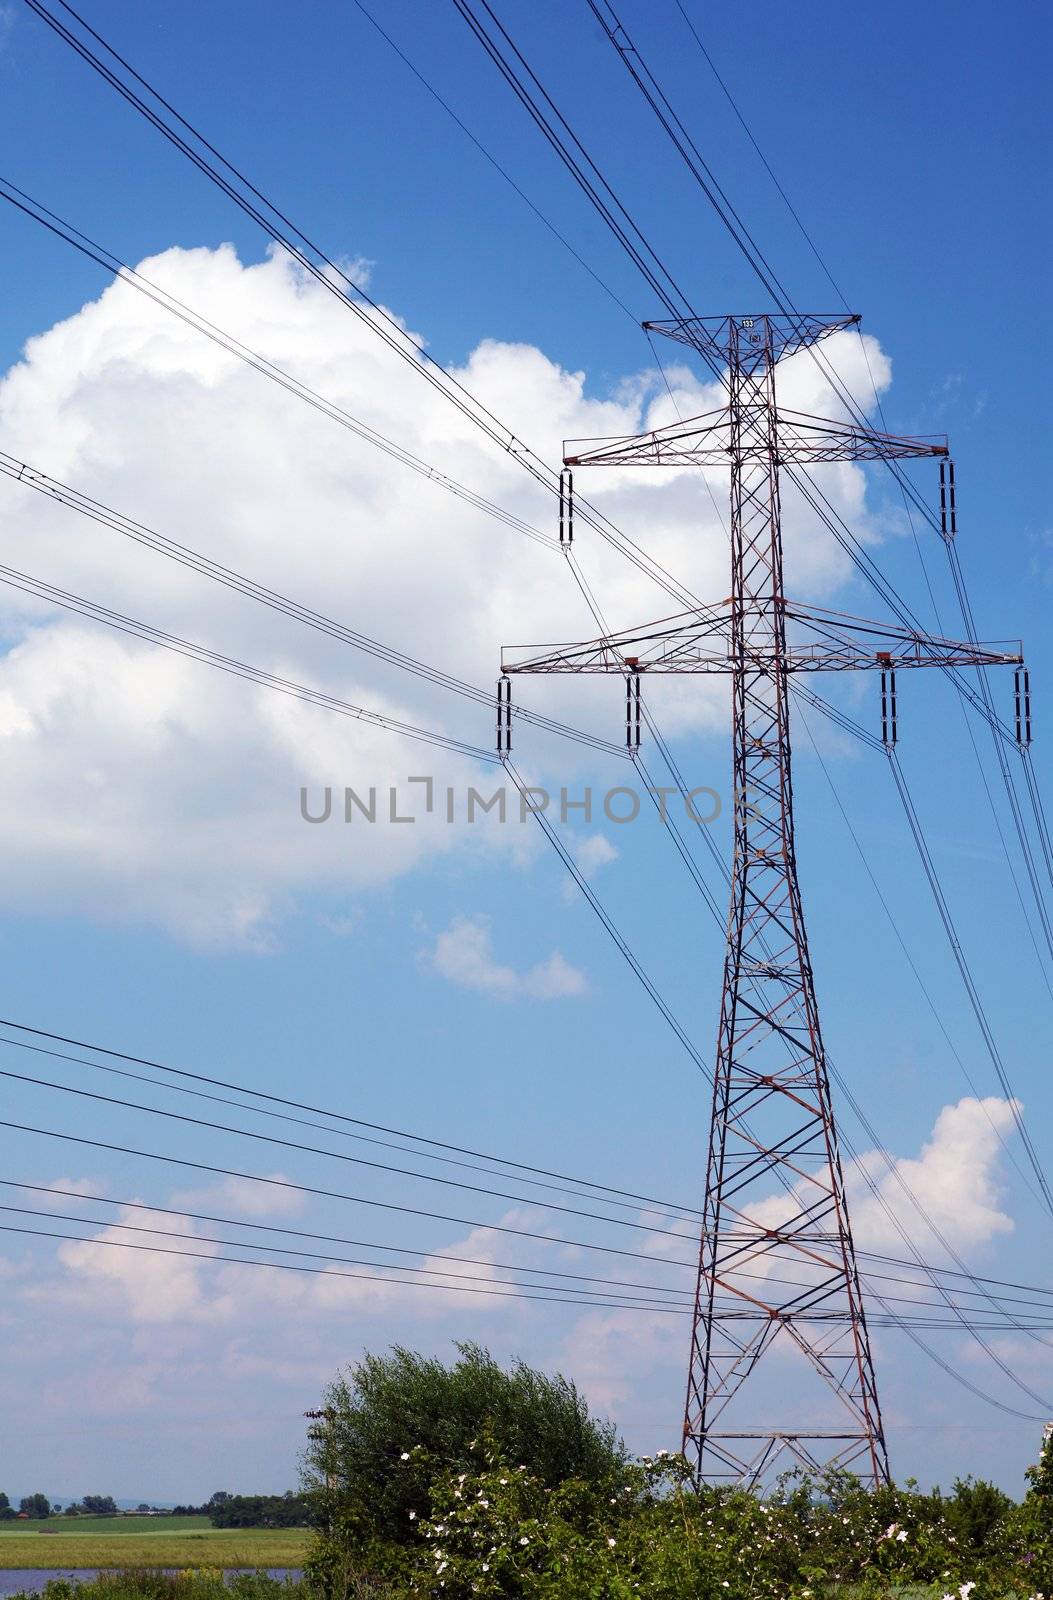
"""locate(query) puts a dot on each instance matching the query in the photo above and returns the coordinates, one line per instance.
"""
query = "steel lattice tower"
(777, 1264)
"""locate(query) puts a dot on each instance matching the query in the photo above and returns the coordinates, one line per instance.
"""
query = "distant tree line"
(30, 1505)
(39, 1506)
(225, 1510)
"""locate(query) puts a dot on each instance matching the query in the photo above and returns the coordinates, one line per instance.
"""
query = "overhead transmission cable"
(908, 957)
(1043, 1302)
(139, 533)
(489, 156)
(649, 1228)
(232, 666)
(641, 1208)
(453, 1285)
(669, 1206)
(260, 363)
(328, 273)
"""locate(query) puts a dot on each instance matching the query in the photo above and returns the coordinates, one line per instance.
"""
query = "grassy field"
(141, 1542)
(107, 1525)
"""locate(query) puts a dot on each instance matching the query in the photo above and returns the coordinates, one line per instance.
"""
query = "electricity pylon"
(777, 1264)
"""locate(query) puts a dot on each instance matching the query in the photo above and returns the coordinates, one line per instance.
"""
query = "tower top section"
(754, 339)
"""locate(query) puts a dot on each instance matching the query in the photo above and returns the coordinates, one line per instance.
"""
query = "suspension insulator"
(948, 501)
(504, 716)
(632, 710)
(1022, 687)
(889, 728)
(566, 507)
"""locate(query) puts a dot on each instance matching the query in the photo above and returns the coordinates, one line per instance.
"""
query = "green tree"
(35, 1505)
(392, 1423)
(6, 1509)
(100, 1505)
(286, 1510)
(976, 1511)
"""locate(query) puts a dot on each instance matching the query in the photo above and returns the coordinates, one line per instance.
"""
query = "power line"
(455, 1286)
(335, 1155)
(253, 358)
(330, 275)
(975, 1002)
(362, 1277)
(492, 159)
(589, 1296)
(328, 1238)
(335, 1194)
(764, 160)
(668, 1206)
(894, 925)
(232, 666)
(139, 533)
(327, 1127)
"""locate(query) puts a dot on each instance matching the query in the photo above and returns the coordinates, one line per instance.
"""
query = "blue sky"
(164, 898)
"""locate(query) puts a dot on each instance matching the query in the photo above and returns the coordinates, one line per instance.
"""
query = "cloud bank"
(142, 787)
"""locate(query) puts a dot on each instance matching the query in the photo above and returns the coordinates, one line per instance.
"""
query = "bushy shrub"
(497, 1531)
(396, 1422)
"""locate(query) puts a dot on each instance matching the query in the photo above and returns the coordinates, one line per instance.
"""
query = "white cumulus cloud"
(464, 954)
(141, 786)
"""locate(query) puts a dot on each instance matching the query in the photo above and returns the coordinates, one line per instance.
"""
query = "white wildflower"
(611, 1543)
(524, 1540)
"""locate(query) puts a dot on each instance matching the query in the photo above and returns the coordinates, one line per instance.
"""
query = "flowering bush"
(497, 1530)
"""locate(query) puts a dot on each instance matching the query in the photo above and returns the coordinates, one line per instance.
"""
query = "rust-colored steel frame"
(775, 1192)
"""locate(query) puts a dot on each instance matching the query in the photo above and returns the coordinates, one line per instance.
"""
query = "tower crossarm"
(708, 641)
(803, 438)
(706, 441)
(773, 337)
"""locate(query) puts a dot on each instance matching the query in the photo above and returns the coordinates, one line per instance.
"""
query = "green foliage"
(35, 1505)
(499, 1532)
(395, 1422)
(977, 1512)
(100, 1505)
(286, 1510)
